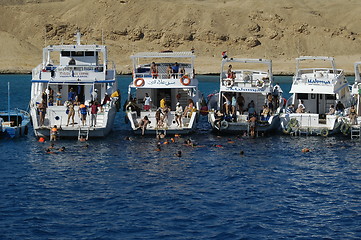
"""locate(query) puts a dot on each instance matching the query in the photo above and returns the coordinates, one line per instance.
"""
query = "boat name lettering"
(315, 81)
(161, 82)
(241, 89)
(73, 74)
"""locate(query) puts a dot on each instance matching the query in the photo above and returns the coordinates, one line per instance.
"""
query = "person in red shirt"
(94, 111)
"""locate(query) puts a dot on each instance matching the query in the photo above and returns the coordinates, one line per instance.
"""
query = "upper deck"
(74, 63)
(246, 80)
(318, 79)
(163, 77)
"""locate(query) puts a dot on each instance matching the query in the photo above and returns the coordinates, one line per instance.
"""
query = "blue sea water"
(120, 189)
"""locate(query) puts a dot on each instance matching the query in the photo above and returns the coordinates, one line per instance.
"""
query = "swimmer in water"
(178, 154)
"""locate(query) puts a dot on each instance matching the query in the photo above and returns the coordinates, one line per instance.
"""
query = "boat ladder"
(83, 133)
(255, 131)
(157, 133)
(355, 131)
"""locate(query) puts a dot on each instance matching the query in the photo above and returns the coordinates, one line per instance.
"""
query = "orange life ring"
(187, 82)
(139, 82)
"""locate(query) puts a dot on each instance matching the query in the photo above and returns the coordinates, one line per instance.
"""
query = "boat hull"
(309, 124)
(189, 124)
(18, 125)
(242, 126)
(73, 131)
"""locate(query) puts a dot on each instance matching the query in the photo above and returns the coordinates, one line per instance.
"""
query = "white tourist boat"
(246, 87)
(316, 89)
(352, 120)
(160, 81)
(83, 70)
(13, 122)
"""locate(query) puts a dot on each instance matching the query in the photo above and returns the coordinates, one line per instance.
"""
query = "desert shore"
(279, 30)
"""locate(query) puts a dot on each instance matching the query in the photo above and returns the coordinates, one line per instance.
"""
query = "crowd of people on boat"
(162, 113)
(92, 108)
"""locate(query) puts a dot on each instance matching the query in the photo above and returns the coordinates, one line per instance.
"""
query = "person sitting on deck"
(290, 109)
(332, 110)
(340, 108)
(132, 106)
(143, 124)
(188, 109)
(353, 115)
(219, 116)
(301, 107)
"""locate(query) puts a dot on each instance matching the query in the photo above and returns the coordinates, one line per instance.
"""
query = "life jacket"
(83, 109)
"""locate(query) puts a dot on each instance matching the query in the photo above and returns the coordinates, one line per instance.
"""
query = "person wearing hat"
(178, 114)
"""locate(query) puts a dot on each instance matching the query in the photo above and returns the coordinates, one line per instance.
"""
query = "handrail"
(163, 75)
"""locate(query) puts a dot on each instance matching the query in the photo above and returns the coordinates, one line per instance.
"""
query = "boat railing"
(321, 74)
(254, 79)
(76, 71)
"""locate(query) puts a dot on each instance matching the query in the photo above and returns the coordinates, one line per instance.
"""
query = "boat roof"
(74, 47)
(301, 58)
(248, 60)
(165, 54)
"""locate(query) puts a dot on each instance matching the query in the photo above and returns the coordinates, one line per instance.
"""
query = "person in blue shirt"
(71, 95)
(175, 69)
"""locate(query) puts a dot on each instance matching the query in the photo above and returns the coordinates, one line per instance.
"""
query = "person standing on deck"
(71, 95)
(94, 111)
(58, 98)
(83, 111)
(71, 113)
(42, 112)
(95, 95)
(154, 70)
(147, 102)
(175, 70)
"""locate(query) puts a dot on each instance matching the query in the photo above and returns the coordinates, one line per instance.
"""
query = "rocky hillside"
(276, 29)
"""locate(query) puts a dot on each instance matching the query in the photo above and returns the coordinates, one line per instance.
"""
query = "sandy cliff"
(276, 29)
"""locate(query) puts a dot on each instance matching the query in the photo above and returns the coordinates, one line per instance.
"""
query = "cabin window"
(302, 96)
(330, 97)
(77, 53)
(89, 53)
(65, 53)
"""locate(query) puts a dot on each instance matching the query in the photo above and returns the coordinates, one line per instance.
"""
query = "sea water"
(124, 189)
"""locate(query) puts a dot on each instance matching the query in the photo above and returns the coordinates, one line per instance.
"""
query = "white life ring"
(139, 82)
(224, 124)
(228, 82)
(260, 83)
